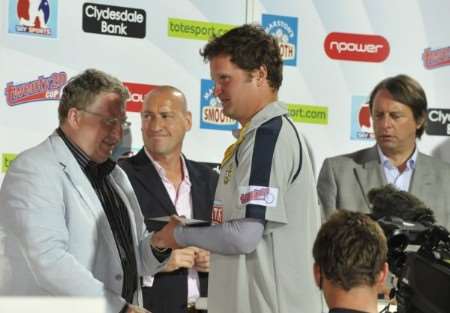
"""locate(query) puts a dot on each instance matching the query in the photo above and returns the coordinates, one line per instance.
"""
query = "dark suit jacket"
(345, 180)
(169, 291)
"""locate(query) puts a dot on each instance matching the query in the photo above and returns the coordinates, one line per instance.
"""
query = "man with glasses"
(71, 221)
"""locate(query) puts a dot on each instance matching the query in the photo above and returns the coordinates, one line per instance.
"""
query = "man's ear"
(383, 274)
(188, 117)
(317, 275)
(73, 118)
(261, 73)
(421, 121)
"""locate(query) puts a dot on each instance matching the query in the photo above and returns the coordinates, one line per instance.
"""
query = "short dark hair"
(408, 91)
(249, 47)
(82, 89)
(350, 249)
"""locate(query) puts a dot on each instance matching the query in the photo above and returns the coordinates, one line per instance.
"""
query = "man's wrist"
(124, 309)
(160, 253)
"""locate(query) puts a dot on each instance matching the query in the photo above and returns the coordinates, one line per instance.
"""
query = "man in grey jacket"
(398, 106)
(71, 222)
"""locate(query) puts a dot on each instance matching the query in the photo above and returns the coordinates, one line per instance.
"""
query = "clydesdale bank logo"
(438, 122)
(113, 20)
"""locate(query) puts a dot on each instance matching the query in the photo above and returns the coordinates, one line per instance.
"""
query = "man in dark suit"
(167, 183)
(398, 107)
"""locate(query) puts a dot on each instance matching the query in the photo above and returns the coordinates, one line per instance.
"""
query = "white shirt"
(182, 200)
(393, 176)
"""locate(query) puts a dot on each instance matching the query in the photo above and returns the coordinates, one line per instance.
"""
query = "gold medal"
(228, 173)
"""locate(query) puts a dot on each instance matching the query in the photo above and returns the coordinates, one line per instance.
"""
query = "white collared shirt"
(182, 200)
(393, 176)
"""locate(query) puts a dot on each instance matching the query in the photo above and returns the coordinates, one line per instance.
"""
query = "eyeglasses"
(111, 121)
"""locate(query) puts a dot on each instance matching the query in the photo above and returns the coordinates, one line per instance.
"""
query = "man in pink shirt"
(167, 183)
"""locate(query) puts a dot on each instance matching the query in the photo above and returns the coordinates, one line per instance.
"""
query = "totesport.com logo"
(356, 47)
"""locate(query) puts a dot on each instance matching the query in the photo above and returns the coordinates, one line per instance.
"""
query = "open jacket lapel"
(146, 173)
(422, 178)
(84, 188)
(200, 208)
(369, 175)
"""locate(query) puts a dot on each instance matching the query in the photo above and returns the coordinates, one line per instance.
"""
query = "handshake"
(188, 257)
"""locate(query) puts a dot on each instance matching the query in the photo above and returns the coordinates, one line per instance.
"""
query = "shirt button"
(118, 277)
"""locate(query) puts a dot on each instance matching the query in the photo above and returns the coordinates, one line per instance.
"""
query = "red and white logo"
(259, 195)
(137, 92)
(356, 47)
(365, 122)
(217, 213)
(433, 58)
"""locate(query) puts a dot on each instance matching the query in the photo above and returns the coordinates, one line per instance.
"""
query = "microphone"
(388, 201)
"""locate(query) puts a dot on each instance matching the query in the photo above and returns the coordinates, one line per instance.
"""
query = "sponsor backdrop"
(334, 53)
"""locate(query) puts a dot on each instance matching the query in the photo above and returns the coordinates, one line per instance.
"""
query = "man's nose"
(217, 90)
(117, 131)
(387, 121)
(155, 123)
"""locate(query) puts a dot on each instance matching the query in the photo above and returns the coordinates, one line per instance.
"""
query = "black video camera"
(419, 256)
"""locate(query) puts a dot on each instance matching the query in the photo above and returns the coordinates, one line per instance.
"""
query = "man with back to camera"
(266, 210)
(167, 183)
(350, 255)
(398, 106)
(72, 222)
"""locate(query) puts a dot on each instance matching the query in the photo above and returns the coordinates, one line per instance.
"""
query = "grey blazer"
(345, 180)
(56, 238)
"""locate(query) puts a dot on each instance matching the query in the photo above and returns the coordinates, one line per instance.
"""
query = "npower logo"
(356, 47)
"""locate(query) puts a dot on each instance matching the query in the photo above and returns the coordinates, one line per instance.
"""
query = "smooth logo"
(356, 47)
(33, 17)
(361, 122)
(438, 122)
(137, 92)
(284, 28)
(211, 112)
(114, 20)
(42, 88)
(436, 58)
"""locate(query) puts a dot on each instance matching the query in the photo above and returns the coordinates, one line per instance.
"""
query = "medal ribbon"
(231, 148)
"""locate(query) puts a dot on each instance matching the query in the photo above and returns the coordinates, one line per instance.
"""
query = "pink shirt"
(182, 200)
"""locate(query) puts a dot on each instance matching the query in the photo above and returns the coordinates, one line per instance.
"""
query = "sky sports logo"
(211, 112)
(34, 18)
(361, 122)
(438, 123)
(284, 29)
(114, 20)
(356, 47)
(197, 30)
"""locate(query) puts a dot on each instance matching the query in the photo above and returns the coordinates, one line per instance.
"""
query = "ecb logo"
(211, 112)
(33, 17)
(361, 128)
(284, 28)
